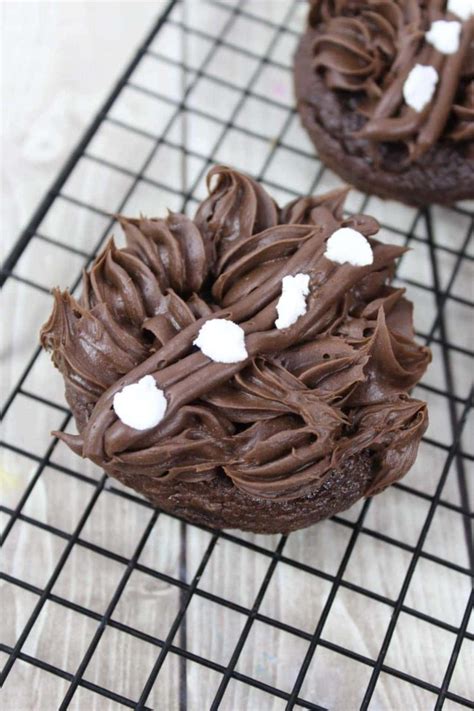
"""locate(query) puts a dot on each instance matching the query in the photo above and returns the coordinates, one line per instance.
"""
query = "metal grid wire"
(200, 92)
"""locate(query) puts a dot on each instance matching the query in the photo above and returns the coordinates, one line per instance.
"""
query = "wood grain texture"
(59, 60)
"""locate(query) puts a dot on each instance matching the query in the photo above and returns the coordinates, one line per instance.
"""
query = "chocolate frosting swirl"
(332, 385)
(366, 50)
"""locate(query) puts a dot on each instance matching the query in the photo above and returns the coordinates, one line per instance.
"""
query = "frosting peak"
(331, 385)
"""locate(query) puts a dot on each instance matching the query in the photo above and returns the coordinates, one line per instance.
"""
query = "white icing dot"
(222, 341)
(292, 302)
(462, 8)
(445, 36)
(141, 405)
(419, 86)
(348, 245)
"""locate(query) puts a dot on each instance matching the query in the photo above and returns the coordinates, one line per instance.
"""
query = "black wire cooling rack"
(212, 83)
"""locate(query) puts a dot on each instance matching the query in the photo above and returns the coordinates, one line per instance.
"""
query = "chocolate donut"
(362, 83)
(310, 416)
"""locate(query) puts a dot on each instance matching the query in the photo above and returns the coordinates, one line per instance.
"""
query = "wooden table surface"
(59, 61)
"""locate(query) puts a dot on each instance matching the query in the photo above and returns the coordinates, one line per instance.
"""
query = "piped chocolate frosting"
(366, 50)
(309, 397)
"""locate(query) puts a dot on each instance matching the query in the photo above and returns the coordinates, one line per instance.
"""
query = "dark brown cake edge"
(416, 186)
(218, 504)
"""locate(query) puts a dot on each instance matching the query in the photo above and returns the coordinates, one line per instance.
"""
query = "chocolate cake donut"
(249, 368)
(385, 89)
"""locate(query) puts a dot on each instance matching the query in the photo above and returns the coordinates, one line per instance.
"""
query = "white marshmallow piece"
(141, 405)
(292, 302)
(445, 36)
(349, 245)
(464, 9)
(420, 86)
(222, 341)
